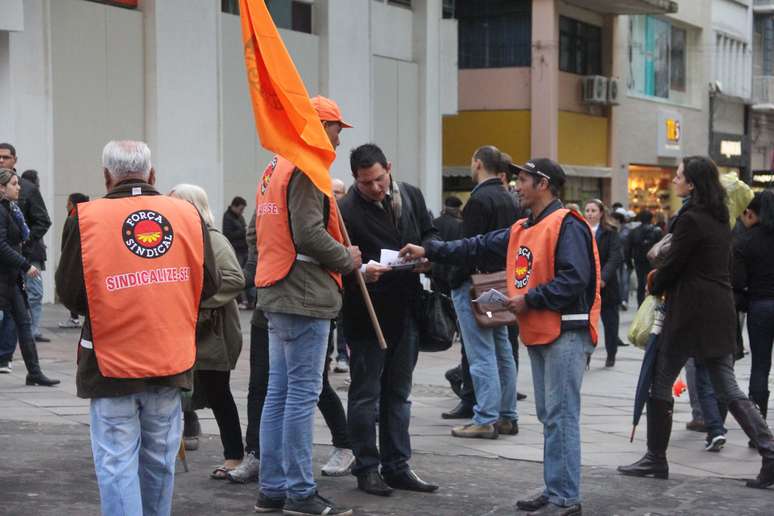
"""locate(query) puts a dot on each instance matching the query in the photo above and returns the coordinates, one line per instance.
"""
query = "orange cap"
(328, 110)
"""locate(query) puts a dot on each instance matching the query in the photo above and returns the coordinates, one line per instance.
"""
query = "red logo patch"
(523, 267)
(147, 234)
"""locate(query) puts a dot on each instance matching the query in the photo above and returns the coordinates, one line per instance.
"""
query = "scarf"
(18, 217)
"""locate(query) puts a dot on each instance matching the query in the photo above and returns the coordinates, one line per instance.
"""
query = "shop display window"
(650, 188)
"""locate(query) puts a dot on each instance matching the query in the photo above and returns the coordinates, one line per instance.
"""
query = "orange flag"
(286, 121)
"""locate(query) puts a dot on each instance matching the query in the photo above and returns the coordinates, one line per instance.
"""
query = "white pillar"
(182, 112)
(345, 70)
(427, 54)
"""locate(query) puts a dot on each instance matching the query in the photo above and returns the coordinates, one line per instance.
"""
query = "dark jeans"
(7, 337)
(642, 270)
(719, 369)
(341, 343)
(381, 380)
(760, 328)
(214, 385)
(329, 403)
(20, 314)
(467, 394)
(610, 321)
(712, 409)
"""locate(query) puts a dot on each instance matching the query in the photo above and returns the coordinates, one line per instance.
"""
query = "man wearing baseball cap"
(552, 268)
(301, 259)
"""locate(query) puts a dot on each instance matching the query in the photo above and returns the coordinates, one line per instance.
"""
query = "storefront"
(731, 152)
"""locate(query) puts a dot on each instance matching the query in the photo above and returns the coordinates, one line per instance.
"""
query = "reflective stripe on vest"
(143, 265)
(276, 250)
(531, 262)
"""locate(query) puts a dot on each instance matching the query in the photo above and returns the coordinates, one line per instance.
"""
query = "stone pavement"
(50, 461)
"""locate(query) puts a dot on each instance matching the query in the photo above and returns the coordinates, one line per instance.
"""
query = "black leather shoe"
(610, 362)
(557, 510)
(532, 504)
(40, 379)
(520, 396)
(41, 338)
(410, 481)
(372, 483)
(461, 411)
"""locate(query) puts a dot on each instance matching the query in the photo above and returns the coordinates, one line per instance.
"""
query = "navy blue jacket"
(570, 292)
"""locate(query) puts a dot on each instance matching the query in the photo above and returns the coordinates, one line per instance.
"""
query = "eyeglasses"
(5, 157)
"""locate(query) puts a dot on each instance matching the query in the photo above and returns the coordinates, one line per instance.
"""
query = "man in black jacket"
(488, 350)
(381, 214)
(34, 250)
(640, 240)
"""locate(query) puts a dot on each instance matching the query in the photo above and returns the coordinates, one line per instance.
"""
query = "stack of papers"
(390, 258)
(493, 298)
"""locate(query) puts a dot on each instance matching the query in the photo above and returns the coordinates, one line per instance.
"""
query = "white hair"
(196, 196)
(127, 158)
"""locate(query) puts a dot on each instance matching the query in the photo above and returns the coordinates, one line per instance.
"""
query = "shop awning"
(627, 6)
(579, 171)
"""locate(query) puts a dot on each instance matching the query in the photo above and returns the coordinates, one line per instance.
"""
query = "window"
(657, 57)
(286, 14)
(403, 3)
(580, 47)
(448, 8)
(494, 33)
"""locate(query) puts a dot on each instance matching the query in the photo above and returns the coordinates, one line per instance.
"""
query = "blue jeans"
(760, 328)
(714, 414)
(297, 346)
(135, 440)
(7, 336)
(34, 287)
(492, 367)
(693, 391)
(557, 374)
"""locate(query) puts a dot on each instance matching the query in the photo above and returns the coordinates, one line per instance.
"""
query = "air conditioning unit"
(595, 89)
(614, 91)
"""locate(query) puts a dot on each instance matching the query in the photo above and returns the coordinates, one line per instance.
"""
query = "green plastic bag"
(739, 195)
(642, 325)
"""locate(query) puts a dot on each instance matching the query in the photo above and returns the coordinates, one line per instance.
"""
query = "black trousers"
(381, 380)
(329, 403)
(610, 321)
(642, 270)
(214, 385)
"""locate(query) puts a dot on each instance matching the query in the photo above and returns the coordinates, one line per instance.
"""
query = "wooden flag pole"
(363, 288)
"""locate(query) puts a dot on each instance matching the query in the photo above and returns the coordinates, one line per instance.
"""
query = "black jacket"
(71, 288)
(449, 228)
(696, 278)
(35, 213)
(640, 240)
(12, 262)
(235, 229)
(371, 228)
(610, 258)
(754, 265)
(489, 208)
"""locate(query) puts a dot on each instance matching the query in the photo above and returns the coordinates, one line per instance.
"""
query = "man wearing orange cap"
(301, 257)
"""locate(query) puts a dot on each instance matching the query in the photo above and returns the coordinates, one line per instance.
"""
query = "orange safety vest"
(276, 250)
(531, 262)
(143, 264)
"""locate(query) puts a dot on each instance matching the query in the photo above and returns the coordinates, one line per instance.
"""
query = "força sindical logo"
(523, 267)
(147, 234)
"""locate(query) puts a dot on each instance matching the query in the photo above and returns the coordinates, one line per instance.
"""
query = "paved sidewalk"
(28, 414)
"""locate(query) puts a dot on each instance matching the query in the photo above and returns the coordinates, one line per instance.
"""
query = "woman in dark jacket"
(14, 231)
(700, 321)
(754, 283)
(610, 259)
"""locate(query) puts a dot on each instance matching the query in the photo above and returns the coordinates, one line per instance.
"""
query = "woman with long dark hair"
(700, 321)
(13, 299)
(754, 282)
(610, 259)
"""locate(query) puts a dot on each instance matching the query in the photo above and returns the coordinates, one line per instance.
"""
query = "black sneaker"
(314, 505)
(266, 504)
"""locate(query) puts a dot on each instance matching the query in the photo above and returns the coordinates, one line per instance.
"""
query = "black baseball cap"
(542, 167)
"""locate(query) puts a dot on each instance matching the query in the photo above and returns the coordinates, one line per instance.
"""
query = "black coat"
(235, 229)
(36, 215)
(372, 229)
(610, 258)
(696, 278)
(12, 262)
(449, 228)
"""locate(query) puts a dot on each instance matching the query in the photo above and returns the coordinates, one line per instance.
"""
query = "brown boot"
(654, 463)
(749, 418)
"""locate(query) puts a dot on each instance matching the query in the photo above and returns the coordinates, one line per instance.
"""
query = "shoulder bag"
(490, 318)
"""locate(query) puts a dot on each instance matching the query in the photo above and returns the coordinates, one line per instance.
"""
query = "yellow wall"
(509, 131)
(582, 139)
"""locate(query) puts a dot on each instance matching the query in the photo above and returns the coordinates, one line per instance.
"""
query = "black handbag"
(437, 321)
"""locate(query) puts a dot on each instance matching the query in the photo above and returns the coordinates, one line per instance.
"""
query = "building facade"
(762, 130)
(76, 73)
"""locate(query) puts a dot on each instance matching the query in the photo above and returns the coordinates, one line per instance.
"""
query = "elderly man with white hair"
(136, 264)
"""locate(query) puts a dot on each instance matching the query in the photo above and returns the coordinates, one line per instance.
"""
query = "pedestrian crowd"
(512, 264)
